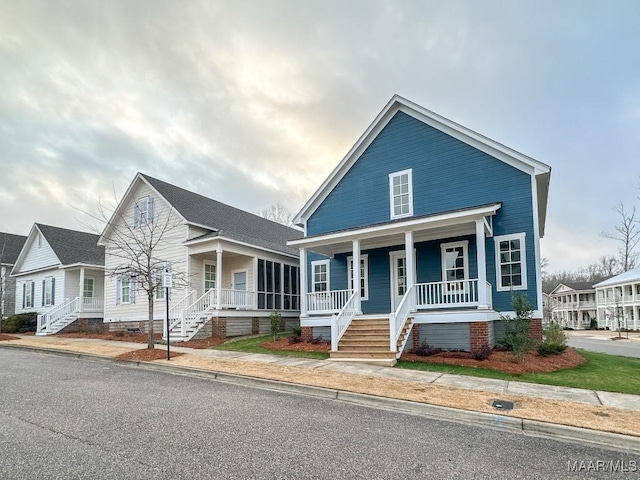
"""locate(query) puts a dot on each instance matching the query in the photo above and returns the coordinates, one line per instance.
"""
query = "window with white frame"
(47, 292)
(209, 276)
(28, 294)
(401, 194)
(158, 273)
(125, 289)
(87, 290)
(320, 281)
(511, 265)
(143, 211)
(455, 261)
(364, 275)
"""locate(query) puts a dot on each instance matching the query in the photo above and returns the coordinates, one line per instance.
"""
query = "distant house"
(10, 246)
(618, 301)
(424, 230)
(232, 269)
(59, 274)
(573, 305)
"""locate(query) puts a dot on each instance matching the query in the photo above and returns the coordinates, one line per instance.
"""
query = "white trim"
(465, 256)
(49, 281)
(536, 244)
(363, 257)
(211, 263)
(314, 264)
(237, 242)
(392, 176)
(397, 103)
(441, 220)
(246, 278)
(393, 255)
(523, 262)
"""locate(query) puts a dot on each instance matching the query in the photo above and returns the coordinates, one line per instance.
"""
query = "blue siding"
(447, 175)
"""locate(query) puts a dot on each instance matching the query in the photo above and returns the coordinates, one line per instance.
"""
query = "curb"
(595, 438)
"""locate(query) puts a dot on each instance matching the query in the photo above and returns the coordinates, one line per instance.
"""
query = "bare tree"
(278, 213)
(608, 266)
(3, 275)
(136, 249)
(627, 234)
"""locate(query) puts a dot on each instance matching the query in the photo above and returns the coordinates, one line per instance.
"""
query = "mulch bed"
(115, 336)
(504, 361)
(283, 344)
(146, 355)
(4, 336)
(201, 343)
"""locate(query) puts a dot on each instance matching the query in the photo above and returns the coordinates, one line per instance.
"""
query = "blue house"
(446, 224)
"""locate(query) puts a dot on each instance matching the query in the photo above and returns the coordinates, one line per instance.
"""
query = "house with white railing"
(59, 274)
(230, 269)
(421, 233)
(618, 300)
(573, 305)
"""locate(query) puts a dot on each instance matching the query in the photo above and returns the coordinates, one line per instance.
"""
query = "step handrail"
(398, 319)
(341, 321)
(47, 319)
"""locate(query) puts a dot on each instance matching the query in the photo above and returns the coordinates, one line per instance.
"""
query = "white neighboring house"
(10, 246)
(573, 305)
(618, 301)
(59, 274)
(236, 267)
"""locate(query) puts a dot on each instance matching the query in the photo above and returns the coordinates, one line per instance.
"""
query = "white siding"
(37, 257)
(169, 249)
(37, 278)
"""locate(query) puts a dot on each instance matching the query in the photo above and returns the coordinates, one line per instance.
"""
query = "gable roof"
(626, 277)
(540, 171)
(73, 246)
(10, 246)
(223, 220)
(576, 286)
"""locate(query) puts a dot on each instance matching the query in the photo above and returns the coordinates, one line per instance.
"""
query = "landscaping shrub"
(316, 340)
(297, 331)
(555, 340)
(294, 339)
(593, 325)
(20, 323)
(483, 353)
(276, 323)
(426, 350)
(516, 330)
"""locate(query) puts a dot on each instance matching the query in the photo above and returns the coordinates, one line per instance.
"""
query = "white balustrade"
(340, 321)
(457, 293)
(399, 318)
(327, 302)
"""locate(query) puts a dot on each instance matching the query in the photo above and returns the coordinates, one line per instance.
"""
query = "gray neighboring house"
(10, 246)
(59, 274)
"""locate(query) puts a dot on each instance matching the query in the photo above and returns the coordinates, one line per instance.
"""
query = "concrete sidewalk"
(618, 409)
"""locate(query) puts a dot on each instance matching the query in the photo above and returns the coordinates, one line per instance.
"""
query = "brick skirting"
(307, 333)
(479, 335)
(416, 335)
(219, 329)
(535, 329)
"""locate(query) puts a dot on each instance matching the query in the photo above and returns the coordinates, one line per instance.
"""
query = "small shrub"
(516, 330)
(297, 331)
(426, 350)
(276, 323)
(555, 340)
(20, 323)
(316, 340)
(119, 333)
(483, 353)
(593, 325)
(294, 339)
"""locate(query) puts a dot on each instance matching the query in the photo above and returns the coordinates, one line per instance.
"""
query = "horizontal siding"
(37, 278)
(37, 257)
(324, 332)
(238, 326)
(447, 175)
(448, 336)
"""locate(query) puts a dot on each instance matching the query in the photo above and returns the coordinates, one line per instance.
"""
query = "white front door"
(398, 278)
(240, 280)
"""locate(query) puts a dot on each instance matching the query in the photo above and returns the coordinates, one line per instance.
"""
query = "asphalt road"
(604, 345)
(64, 418)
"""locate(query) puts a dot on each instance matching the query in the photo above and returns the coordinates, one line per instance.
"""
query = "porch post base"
(307, 333)
(220, 327)
(535, 329)
(479, 335)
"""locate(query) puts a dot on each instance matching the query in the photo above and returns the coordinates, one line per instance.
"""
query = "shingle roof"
(580, 285)
(72, 246)
(629, 276)
(229, 221)
(10, 246)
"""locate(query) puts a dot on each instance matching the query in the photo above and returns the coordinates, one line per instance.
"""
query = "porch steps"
(58, 325)
(194, 325)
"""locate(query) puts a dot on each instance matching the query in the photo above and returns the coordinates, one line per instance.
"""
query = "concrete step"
(383, 342)
(362, 354)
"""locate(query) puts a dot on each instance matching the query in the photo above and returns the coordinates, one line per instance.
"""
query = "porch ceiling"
(432, 227)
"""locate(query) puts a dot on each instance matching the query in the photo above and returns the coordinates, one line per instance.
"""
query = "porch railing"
(327, 302)
(340, 321)
(55, 314)
(237, 298)
(457, 293)
(176, 313)
(399, 318)
(92, 304)
(489, 296)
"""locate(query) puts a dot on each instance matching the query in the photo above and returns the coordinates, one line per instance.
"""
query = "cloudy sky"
(255, 102)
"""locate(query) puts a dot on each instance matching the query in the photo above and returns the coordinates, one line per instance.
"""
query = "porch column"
(410, 266)
(482, 265)
(303, 282)
(355, 274)
(81, 291)
(218, 278)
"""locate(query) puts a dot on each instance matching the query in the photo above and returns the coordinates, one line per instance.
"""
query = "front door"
(398, 278)
(239, 288)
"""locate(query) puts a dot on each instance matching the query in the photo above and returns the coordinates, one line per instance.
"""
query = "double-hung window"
(511, 265)
(364, 275)
(158, 273)
(320, 270)
(401, 194)
(47, 292)
(209, 276)
(143, 212)
(125, 289)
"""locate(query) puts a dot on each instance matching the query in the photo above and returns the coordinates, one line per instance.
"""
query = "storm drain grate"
(502, 405)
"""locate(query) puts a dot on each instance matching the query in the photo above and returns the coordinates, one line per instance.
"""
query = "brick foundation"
(219, 329)
(307, 333)
(535, 329)
(479, 335)
(416, 335)
(255, 325)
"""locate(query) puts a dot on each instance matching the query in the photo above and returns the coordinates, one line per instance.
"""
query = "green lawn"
(252, 345)
(609, 373)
